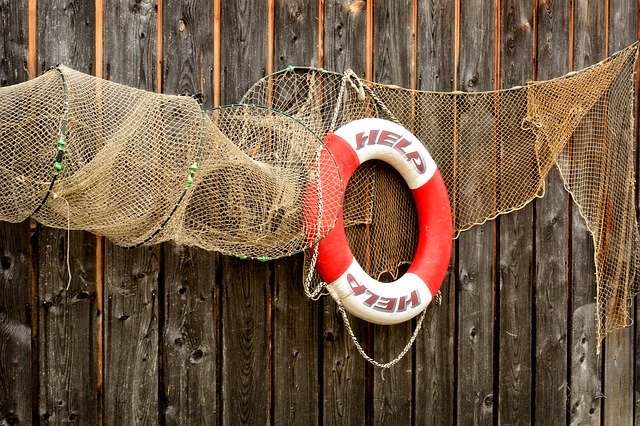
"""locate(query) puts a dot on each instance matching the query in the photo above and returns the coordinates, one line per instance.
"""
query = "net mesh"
(142, 168)
(495, 150)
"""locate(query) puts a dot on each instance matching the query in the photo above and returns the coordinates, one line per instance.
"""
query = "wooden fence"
(171, 334)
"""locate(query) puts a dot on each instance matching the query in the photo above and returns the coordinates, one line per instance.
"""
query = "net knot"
(355, 83)
(531, 123)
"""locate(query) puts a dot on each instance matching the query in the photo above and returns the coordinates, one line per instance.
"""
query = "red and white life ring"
(377, 302)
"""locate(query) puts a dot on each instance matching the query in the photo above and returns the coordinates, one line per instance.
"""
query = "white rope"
(364, 354)
(316, 293)
(334, 118)
(358, 86)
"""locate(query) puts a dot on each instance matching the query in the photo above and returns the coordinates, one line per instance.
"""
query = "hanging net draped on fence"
(141, 168)
(495, 150)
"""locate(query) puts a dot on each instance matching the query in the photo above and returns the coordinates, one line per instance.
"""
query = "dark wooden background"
(172, 334)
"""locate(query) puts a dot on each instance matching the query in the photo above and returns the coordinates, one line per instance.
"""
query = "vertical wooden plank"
(585, 384)
(295, 317)
(435, 350)
(188, 48)
(190, 361)
(343, 369)
(636, 357)
(131, 275)
(246, 284)
(296, 383)
(190, 357)
(246, 343)
(585, 379)
(15, 322)
(68, 366)
(392, 64)
(551, 236)
(516, 238)
(618, 346)
(477, 246)
(16, 397)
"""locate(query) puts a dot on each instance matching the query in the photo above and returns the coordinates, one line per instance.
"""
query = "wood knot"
(196, 356)
(11, 419)
(82, 295)
(488, 401)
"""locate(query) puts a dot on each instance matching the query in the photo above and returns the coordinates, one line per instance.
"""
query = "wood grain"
(392, 64)
(296, 383)
(246, 284)
(477, 246)
(551, 289)
(296, 340)
(343, 370)
(188, 49)
(636, 357)
(190, 339)
(193, 337)
(246, 341)
(131, 275)
(191, 357)
(16, 396)
(516, 258)
(434, 350)
(619, 345)
(586, 366)
(66, 318)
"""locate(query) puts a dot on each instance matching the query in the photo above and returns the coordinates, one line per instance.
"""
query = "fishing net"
(495, 150)
(141, 168)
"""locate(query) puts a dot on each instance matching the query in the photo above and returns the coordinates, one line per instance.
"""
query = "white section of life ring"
(377, 302)
(375, 138)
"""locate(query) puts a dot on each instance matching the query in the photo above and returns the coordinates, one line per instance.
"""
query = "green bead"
(241, 257)
(189, 181)
(62, 144)
(194, 167)
(57, 166)
(263, 259)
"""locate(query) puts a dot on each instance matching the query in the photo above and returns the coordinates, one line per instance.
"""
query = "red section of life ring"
(363, 296)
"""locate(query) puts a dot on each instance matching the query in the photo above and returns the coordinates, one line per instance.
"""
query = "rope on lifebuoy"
(377, 302)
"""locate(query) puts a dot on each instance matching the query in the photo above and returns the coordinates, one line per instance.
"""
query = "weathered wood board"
(175, 335)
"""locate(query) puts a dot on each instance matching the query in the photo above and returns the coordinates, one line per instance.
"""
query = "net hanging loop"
(355, 82)
(362, 89)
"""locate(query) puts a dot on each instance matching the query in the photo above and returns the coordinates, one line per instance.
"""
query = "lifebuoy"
(377, 302)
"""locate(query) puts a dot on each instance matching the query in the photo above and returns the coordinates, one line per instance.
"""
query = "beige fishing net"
(141, 168)
(495, 150)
